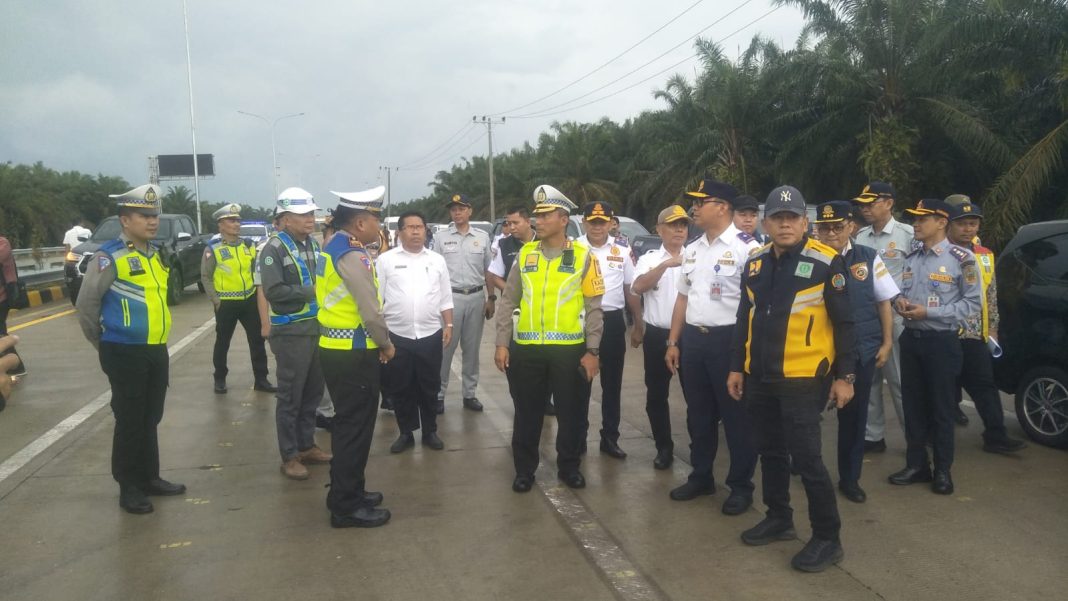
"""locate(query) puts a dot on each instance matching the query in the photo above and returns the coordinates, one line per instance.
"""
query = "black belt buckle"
(703, 329)
(471, 290)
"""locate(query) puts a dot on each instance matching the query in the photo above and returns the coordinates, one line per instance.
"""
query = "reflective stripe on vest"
(553, 306)
(340, 323)
(985, 258)
(309, 310)
(134, 309)
(233, 270)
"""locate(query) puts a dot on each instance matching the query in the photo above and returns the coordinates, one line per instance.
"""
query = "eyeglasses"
(700, 202)
(831, 227)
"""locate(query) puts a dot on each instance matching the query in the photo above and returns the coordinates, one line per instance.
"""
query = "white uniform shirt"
(415, 290)
(71, 237)
(885, 287)
(617, 269)
(711, 277)
(660, 299)
(496, 266)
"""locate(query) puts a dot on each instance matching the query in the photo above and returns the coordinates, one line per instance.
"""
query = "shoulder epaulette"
(113, 245)
(822, 248)
(621, 241)
(960, 254)
(746, 237)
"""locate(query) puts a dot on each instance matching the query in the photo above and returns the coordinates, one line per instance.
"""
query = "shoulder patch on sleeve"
(621, 241)
(746, 237)
(960, 254)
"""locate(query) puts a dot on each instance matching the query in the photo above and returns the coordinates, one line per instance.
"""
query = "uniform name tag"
(618, 259)
(804, 270)
(225, 254)
(135, 266)
(531, 264)
(942, 277)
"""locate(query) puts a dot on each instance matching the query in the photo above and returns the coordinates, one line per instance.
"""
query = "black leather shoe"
(769, 530)
(220, 385)
(523, 483)
(133, 500)
(664, 459)
(943, 483)
(910, 475)
(960, 417)
(264, 385)
(818, 555)
(324, 422)
(572, 479)
(875, 446)
(852, 491)
(472, 404)
(432, 440)
(161, 488)
(404, 442)
(372, 498)
(550, 408)
(363, 517)
(1006, 446)
(612, 449)
(737, 504)
(387, 403)
(691, 490)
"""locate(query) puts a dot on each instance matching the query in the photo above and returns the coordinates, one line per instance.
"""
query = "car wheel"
(1042, 405)
(175, 286)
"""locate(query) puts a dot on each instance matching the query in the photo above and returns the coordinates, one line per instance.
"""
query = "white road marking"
(29, 452)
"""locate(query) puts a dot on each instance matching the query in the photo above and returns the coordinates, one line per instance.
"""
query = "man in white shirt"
(655, 277)
(892, 240)
(417, 305)
(702, 323)
(71, 237)
(613, 257)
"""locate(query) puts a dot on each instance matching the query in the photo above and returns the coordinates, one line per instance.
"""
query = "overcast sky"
(100, 86)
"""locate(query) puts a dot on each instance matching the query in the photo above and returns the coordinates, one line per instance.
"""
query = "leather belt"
(470, 290)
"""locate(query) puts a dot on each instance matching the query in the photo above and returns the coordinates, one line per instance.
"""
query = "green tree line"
(38, 204)
(935, 96)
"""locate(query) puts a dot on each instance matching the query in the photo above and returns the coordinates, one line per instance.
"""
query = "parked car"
(255, 231)
(1032, 277)
(177, 239)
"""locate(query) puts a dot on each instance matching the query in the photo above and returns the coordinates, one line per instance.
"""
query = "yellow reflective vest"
(340, 324)
(233, 270)
(134, 309)
(554, 291)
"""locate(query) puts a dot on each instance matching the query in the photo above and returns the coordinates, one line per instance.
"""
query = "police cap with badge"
(874, 191)
(597, 211)
(931, 206)
(712, 189)
(960, 205)
(458, 200)
(672, 214)
(364, 200)
(230, 211)
(834, 211)
(142, 199)
(297, 201)
(548, 199)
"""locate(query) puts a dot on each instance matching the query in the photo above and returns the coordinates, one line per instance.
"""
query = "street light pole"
(489, 122)
(192, 120)
(389, 188)
(274, 151)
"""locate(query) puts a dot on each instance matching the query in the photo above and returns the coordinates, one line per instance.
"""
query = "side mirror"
(184, 236)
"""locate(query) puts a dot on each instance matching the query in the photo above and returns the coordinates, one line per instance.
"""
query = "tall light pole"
(192, 120)
(489, 122)
(274, 152)
(389, 187)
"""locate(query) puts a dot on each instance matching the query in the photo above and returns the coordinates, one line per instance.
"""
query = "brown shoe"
(294, 470)
(315, 455)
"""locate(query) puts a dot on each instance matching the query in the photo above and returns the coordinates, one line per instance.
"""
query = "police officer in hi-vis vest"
(353, 344)
(555, 290)
(227, 273)
(122, 309)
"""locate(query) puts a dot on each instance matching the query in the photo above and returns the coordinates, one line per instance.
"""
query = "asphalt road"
(458, 532)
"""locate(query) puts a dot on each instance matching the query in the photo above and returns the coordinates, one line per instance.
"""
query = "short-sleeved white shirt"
(617, 269)
(717, 263)
(659, 300)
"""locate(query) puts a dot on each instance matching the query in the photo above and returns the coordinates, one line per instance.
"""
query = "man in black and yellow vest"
(353, 343)
(794, 332)
(555, 292)
(122, 309)
(226, 271)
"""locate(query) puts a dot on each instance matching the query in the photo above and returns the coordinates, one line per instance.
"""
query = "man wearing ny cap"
(467, 253)
(793, 343)
(655, 278)
(702, 324)
(551, 309)
(353, 343)
(939, 290)
(227, 272)
(287, 267)
(122, 310)
(892, 240)
(614, 260)
(978, 329)
(870, 288)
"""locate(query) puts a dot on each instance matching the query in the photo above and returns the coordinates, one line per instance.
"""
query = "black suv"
(177, 239)
(1032, 276)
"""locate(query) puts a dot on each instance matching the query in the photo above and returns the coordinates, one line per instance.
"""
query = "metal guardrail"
(40, 266)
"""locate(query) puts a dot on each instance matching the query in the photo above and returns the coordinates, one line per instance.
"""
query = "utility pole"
(192, 120)
(489, 122)
(389, 188)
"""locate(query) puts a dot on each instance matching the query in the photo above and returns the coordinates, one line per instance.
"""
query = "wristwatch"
(492, 297)
(671, 343)
(596, 352)
(849, 378)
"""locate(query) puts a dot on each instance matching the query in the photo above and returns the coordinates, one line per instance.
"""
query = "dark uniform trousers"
(706, 363)
(138, 374)
(413, 379)
(352, 376)
(786, 423)
(613, 352)
(852, 420)
(535, 372)
(657, 384)
(977, 378)
(930, 365)
(226, 317)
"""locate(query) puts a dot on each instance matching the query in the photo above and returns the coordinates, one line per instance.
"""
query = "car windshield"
(484, 226)
(111, 228)
(253, 230)
(632, 229)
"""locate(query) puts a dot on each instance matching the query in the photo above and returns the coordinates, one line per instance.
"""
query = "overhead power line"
(639, 68)
(449, 160)
(467, 125)
(605, 64)
(444, 151)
